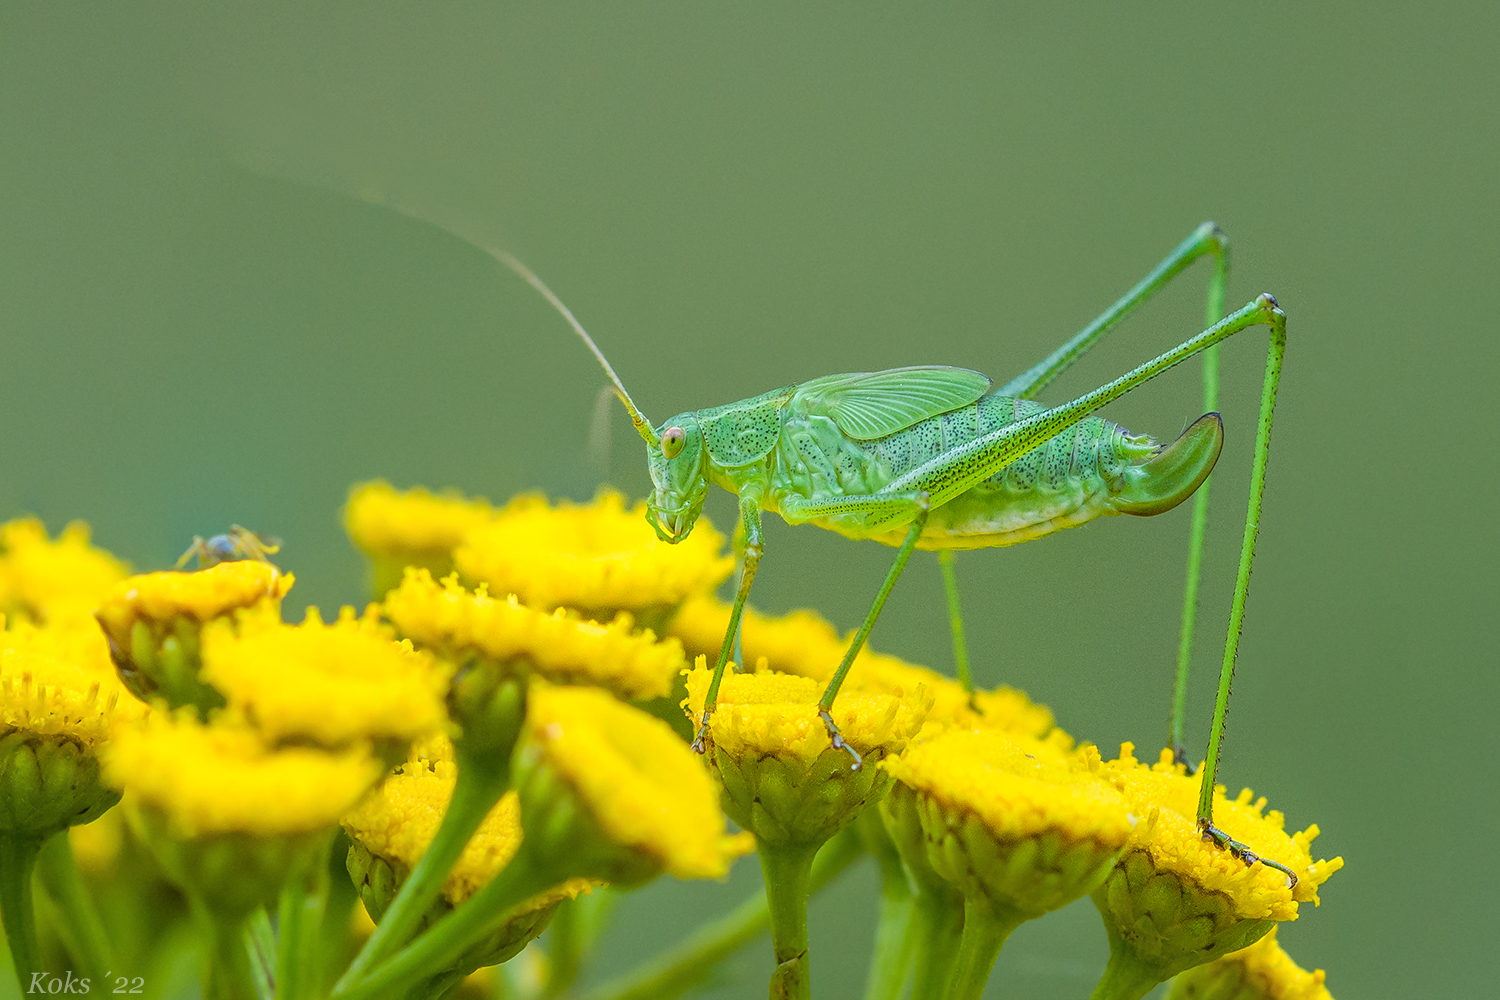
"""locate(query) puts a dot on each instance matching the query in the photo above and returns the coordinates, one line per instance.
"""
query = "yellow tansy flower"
(1017, 788)
(455, 623)
(784, 781)
(45, 578)
(804, 643)
(228, 817)
(414, 527)
(772, 714)
(1174, 900)
(1020, 827)
(1164, 790)
(329, 684)
(629, 775)
(225, 779)
(597, 558)
(392, 828)
(153, 620)
(1262, 971)
(397, 821)
(55, 715)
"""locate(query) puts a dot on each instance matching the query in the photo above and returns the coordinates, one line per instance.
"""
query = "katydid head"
(679, 473)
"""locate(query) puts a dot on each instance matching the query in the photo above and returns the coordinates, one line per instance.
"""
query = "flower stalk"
(787, 869)
(84, 930)
(303, 902)
(689, 964)
(18, 854)
(447, 940)
(986, 929)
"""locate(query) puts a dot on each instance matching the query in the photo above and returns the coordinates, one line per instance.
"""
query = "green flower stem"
(300, 920)
(230, 976)
(936, 927)
(83, 928)
(787, 869)
(438, 986)
(891, 961)
(441, 945)
(480, 782)
(571, 936)
(260, 944)
(18, 855)
(693, 961)
(985, 931)
(1127, 976)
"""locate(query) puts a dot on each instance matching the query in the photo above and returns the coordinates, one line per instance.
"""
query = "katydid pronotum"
(936, 458)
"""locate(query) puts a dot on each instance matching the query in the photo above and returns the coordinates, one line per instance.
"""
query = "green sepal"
(48, 783)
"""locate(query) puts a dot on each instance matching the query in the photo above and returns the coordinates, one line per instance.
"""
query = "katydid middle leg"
(914, 505)
(1207, 240)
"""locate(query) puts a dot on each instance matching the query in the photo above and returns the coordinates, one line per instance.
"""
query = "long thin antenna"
(642, 425)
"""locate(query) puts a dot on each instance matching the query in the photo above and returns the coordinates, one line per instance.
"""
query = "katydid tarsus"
(937, 458)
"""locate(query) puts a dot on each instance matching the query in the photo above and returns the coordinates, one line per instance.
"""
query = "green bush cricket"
(937, 458)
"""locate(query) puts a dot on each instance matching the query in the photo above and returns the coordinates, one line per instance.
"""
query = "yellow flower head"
(774, 714)
(207, 780)
(1262, 971)
(46, 578)
(392, 828)
(414, 527)
(1025, 825)
(153, 620)
(1167, 797)
(598, 558)
(590, 761)
(329, 684)
(58, 706)
(384, 521)
(44, 694)
(804, 643)
(782, 777)
(397, 821)
(456, 623)
(160, 599)
(1175, 900)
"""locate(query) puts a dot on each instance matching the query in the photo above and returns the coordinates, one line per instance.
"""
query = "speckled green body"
(785, 448)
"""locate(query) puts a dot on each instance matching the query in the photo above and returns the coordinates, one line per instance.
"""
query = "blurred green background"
(197, 330)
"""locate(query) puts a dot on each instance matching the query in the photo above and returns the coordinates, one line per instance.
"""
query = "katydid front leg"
(750, 523)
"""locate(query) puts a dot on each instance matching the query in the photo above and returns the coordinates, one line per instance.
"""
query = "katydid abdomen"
(1095, 468)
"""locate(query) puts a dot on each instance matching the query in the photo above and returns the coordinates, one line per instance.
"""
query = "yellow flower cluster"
(398, 820)
(635, 777)
(1018, 788)
(383, 521)
(806, 644)
(1262, 971)
(47, 696)
(563, 648)
(46, 579)
(598, 558)
(330, 684)
(215, 779)
(770, 714)
(162, 598)
(1166, 799)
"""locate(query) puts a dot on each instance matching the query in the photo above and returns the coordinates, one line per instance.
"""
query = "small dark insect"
(236, 544)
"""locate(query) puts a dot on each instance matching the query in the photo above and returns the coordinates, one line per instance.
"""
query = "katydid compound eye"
(671, 441)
